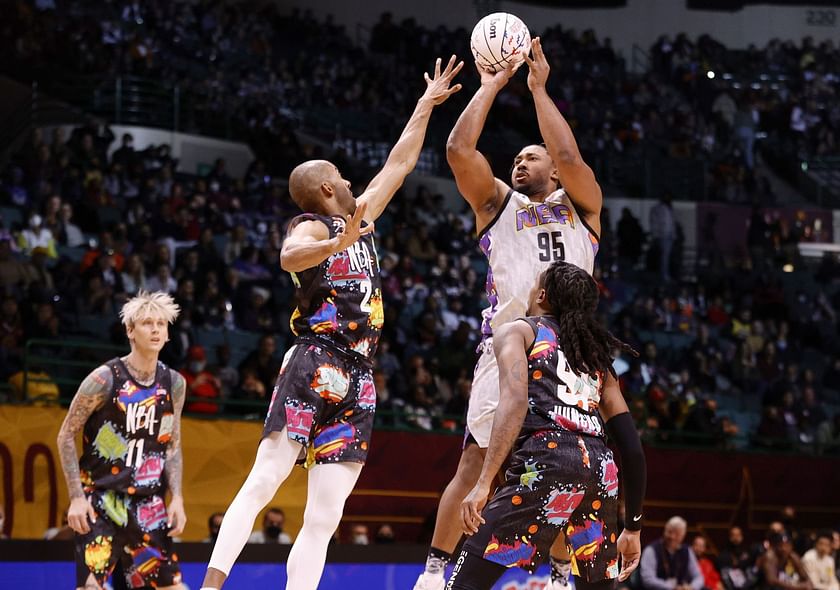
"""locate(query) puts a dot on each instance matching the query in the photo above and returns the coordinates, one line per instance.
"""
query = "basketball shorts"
(326, 401)
(484, 396)
(131, 529)
(557, 482)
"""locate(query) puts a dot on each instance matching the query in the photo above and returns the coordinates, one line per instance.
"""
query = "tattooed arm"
(510, 344)
(93, 391)
(175, 460)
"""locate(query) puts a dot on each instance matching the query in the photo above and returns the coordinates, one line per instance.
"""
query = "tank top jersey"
(125, 441)
(523, 240)
(558, 398)
(339, 302)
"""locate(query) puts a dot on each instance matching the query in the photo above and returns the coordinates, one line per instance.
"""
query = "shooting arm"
(91, 394)
(472, 171)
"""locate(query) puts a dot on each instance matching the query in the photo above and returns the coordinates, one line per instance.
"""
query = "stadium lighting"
(710, 75)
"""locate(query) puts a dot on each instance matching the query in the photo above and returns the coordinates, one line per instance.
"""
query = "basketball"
(499, 39)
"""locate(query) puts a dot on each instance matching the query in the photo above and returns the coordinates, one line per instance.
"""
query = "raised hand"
(353, 229)
(538, 67)
(498, 79)
(437, 88)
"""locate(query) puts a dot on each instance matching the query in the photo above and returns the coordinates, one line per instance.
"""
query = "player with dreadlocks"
(559, 398)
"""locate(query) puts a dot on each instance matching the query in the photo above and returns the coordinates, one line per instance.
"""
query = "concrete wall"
(639, 23)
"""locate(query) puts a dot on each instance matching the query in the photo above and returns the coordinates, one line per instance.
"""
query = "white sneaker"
(428, 581)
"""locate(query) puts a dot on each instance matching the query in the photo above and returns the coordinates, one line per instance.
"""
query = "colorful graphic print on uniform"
(98, 554)
(586, 539)
(367, 395)
(609, 477)
(545, 343)
(519, 554)
(151, 513)
(331, 383)
(325, 320)
(331, 440)
(110, 444)
(115, 506)
(299, 418)
(561, 504)
(150, 470)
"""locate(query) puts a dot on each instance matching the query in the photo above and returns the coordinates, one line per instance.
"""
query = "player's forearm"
(66, 443)
(558, 136)
(297, 257)
(622, 432)
(174, 470)
(464, 136)
(406, 151)
(507, 424)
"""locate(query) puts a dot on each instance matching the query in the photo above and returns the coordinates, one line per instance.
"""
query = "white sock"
(276, 456)
(329, 486)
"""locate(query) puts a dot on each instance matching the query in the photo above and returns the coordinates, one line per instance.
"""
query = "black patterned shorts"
(326, 401)
(131, 529)
(557, 482)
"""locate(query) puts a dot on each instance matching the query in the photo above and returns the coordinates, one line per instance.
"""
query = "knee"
(323, 520)
(260, 488)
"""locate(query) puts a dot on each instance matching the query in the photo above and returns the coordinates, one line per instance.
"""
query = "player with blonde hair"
(130, 411)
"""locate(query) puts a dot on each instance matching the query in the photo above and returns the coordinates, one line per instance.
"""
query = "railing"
(820, 180)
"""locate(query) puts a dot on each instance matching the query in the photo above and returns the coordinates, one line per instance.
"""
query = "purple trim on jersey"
(485, 243)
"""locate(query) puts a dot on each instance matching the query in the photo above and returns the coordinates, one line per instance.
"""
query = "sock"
(561, 571)
(436, 561)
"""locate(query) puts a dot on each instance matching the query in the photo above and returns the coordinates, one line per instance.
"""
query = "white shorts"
(484, 395)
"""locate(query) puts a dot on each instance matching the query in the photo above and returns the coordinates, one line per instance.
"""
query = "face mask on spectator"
(273, 531)
(197, 366)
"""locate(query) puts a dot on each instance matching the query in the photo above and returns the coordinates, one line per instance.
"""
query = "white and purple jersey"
(521, 242)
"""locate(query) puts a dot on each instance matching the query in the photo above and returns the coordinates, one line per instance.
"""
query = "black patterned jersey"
(125, 441)
(339, 302)
(558, 398)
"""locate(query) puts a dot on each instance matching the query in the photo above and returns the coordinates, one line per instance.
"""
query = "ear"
(541, 296)
(327, 189)
(555, 176)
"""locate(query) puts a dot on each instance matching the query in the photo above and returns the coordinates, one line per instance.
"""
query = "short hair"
(825, 534)
(676, 522)
(149, 304)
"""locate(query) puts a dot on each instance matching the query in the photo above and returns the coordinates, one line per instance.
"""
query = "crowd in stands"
(354, 91)
(786, 557)
(95, 228)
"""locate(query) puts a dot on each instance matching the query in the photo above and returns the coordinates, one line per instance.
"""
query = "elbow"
(287, 262)
(457, 149)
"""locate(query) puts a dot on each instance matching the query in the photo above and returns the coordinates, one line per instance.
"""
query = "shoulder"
(101, 375)
(310, 224)
(517, 329)
(178, 381)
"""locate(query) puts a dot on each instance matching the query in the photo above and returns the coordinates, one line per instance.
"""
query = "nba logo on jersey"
(537, 214)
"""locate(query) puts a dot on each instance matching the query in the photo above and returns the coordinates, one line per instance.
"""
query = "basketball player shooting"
(550, 211)
(324, 399)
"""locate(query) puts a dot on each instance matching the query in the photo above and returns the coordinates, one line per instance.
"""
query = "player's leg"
(276, 456)
(96, 551)
(484, 397)
(329, 486)
(472, 572)
(561, 564)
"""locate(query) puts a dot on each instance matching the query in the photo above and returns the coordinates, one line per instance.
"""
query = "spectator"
(69, 233)
(162, 280)
(781, 568)
(663, 230)
(37, 235)
(711, 576)
(736, 561)
(272, 528)
(630, 238)
(134, 276)
(385, 535)
(201, 383)
(819, 563)
(263, 362)
(359, 535)
(669, 564)
(214, 523)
